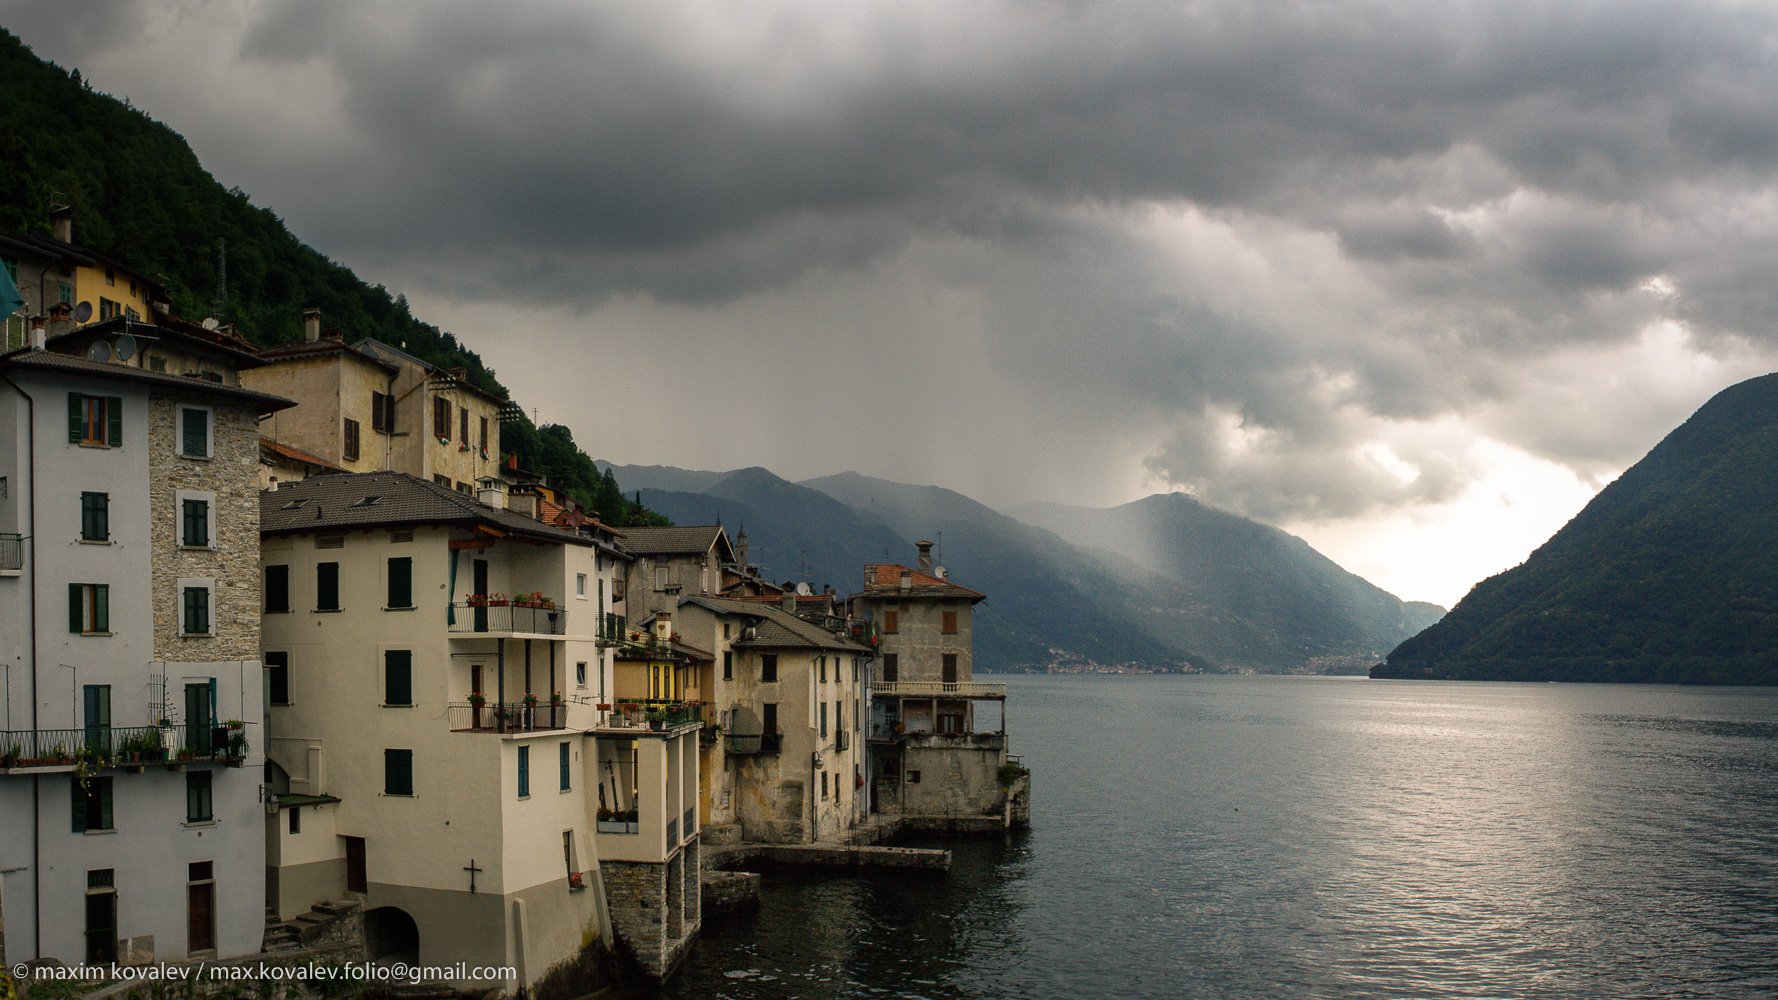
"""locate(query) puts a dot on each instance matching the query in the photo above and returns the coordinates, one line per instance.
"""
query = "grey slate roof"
(31, 358)
(778, 628)
(672, 541)
(331, 502)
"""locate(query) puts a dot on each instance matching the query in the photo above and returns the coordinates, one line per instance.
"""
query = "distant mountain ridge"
(1054, 600)
(1667, 576)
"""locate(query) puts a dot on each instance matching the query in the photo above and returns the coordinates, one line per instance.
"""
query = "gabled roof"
(239, 352)
(321, 348)
(775, 628)
(390, 354)
(68, 364)
(884, 580)
(695, 539)
(267, 445)
(345, 501)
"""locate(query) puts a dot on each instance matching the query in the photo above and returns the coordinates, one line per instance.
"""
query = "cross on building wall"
(471, 869)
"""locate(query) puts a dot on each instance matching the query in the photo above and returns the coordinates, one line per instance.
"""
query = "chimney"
(61, 223)
(925, 548)
(663, 626)
(38, 334)
(311, 325)
(907, 581)
(460, 374)
(789, 601)
(491, 495)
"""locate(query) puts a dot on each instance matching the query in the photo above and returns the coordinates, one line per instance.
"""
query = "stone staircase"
(279, 936)
(306, 930)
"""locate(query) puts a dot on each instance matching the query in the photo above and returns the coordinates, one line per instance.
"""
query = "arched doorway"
(390, 935)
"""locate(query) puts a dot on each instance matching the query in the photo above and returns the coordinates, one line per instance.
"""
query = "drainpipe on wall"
(36, 791)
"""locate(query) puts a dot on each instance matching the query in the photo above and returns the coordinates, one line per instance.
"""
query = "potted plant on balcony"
(237, 747)
(575, 881)
(476, 701)
(657, 719)
(476, 600)
(497, 600)
(11, 757)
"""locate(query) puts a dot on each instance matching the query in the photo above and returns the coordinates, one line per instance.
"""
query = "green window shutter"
(562, 763)
(103, 790)
(102, 608)
(79, 802)
(398, 677)
(114, 421)
(401, 582)
(524, 771)
(76, 416)
(74, 596)
(398, 772)
(277, 588)
(327, 586)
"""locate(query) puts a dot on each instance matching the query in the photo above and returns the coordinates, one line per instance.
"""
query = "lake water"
(1259, 837)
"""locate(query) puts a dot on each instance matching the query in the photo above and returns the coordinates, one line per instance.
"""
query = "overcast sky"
(1412, 280)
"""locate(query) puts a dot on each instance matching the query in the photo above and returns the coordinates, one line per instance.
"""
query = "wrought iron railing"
(472, 618)
(120, 746)
(509, 717)
(652, 713)
(12, 551)
(755, 743)
(842, 740)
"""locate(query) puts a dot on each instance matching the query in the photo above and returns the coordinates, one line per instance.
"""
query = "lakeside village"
(298, 666)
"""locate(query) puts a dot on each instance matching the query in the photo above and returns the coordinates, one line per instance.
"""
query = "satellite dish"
(83, 312)
(100, 351)
(211, 322)
(126, 347)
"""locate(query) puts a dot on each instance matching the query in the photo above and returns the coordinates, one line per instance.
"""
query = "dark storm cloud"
(1280, 236)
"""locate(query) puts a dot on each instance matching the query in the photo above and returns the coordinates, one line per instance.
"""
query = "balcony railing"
(842, 740)
(121, 746)
(12, 551)
(612, 627)
(690, 826)
(472, 619)
(651, 713)
(886, 732)
(673, 832)
(610, 821)
(747, 745)
(938, 689)
(510, 717)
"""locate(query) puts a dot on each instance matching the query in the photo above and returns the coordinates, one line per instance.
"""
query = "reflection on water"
(1329, 837)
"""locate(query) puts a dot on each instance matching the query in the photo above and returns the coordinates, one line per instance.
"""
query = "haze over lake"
(1256, 836)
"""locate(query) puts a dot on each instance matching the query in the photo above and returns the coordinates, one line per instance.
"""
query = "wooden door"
(356, 880)
(200, 909)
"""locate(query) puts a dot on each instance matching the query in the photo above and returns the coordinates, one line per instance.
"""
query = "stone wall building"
(130, 811)
(937, 736)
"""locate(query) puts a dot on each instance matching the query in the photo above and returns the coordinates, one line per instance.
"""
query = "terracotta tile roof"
(319, 348)
(884, 580)
(777, 628)
(344, 501)
(266, 444)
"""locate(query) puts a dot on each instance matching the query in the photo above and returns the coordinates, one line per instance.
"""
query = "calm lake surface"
(1257, 837)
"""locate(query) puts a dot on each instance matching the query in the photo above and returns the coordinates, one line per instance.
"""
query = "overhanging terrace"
(938, 689)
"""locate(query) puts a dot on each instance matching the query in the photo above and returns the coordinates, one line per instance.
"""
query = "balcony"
(12, 553)
(509, 717)
(506, 619)
(131, 748)
(614, 821)
(888, 731)
(937, 689)
(756, 743)
(611, 629)
(842, 740)
(656, 715)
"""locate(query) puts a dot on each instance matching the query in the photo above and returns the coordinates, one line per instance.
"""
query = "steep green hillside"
(1270, 578)
(141, 197)
(1667, 576)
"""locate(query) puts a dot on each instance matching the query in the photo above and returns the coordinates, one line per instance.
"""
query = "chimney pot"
(311, 325)
(663, 626)
(789, 601)
(61, 223)
(925, 548)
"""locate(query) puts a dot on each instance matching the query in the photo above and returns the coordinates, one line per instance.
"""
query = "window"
(580, 673)
(194, 606)
(351, 444)
(398, 772)
(524, 772)
(768, 667)
(398, 677)
(484, 437)
(661, 578)
(891, 668)
(92, 804)
(296, 819)
(277, 589)
(194, 432)
(277, 678)
(444, 481)
(890, 620)
(95, 421)
(949, 668)
(382, 412)
(109, 308)
(401, 582)
(580, 585)
(463, 425)
(949, 626)
(95, 517)
(97, 715)
(824, 784)
(197, 797)
(89, 608)
(821, 661)
(194, 519)
(913, 777)
(327, 586)
(441, 418)
(110, 278)
(824, 720)
(562, 765)
(728, 663)
(768, 714)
